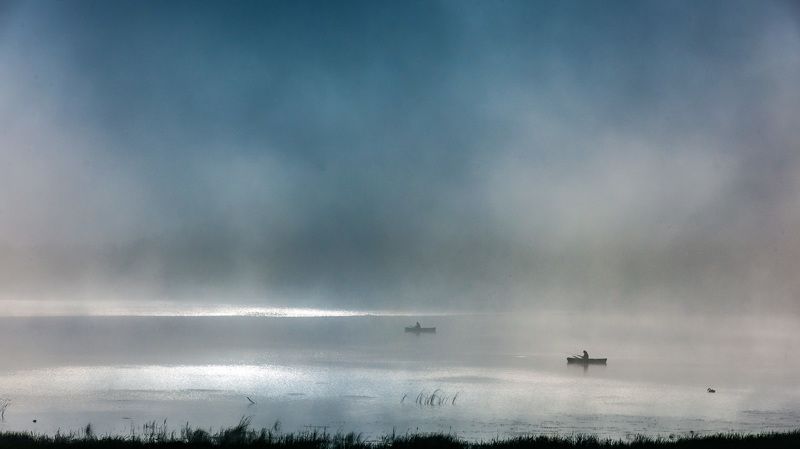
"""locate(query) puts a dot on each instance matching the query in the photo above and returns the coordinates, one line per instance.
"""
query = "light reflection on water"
(363, 374)
(369, 400)
(65, 308)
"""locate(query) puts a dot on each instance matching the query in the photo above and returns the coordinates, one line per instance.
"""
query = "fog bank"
(416, 156)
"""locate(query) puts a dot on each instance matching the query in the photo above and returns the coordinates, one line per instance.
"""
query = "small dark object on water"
(252, 402)
(711, 390)
(417, 329)
(34, 420)
(583, 361)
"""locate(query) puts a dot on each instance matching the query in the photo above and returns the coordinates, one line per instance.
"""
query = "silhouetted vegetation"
(156, 435)
(437, 398)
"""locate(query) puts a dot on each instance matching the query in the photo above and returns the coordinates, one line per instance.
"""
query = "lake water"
(498, 375)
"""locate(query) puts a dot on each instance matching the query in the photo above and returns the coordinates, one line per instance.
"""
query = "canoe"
(421, 330)
(582, 361)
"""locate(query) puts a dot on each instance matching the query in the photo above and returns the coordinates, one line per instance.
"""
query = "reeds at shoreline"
(156, 435)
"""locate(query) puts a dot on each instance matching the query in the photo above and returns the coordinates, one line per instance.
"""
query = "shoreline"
(242, 435)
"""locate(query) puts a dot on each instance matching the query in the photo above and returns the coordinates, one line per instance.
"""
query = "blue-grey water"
(496, 374)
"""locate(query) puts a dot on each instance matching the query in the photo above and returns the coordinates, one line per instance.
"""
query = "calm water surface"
(498, 375)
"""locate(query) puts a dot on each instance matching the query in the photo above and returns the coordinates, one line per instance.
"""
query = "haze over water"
(501, 374)
(202, 202)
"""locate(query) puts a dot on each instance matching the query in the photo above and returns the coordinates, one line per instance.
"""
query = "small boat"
(582, 361)
(421, 330)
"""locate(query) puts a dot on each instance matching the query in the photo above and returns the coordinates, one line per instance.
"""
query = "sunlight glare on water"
(23, 308)
(499, 375)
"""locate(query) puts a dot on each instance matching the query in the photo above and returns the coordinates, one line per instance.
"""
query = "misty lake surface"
(497, 375)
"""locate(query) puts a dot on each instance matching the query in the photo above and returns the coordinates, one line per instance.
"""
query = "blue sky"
(414, 154)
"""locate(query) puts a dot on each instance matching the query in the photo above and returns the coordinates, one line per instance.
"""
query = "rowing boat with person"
(418, 329)
(585, 360)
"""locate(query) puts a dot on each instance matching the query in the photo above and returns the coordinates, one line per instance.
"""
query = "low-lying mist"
(482, 162)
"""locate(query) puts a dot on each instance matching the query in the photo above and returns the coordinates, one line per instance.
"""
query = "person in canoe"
(417, 325)
(585, 355)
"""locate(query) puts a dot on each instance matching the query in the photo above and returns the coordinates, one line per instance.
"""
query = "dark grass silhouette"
(438, 398)
(156, 435)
